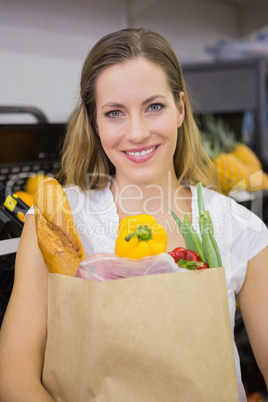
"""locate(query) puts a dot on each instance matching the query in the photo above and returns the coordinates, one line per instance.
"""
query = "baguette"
(57, 235)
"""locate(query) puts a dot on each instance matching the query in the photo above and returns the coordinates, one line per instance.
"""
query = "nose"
(137, 129)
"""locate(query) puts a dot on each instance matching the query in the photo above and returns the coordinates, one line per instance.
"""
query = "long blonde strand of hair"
(80, 145)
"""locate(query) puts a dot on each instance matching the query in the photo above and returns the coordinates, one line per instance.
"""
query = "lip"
(141, 158)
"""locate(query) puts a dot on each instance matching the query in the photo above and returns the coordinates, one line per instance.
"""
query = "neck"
(148, 198)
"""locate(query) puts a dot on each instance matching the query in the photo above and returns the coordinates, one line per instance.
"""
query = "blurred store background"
(223, 48)
(43, 43)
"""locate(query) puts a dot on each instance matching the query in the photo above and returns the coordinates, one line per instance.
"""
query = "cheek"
(172, 134)
(105, 134)
(109, 143)
(170, 128)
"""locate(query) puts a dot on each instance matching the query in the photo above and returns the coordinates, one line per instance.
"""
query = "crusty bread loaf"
(57, 235)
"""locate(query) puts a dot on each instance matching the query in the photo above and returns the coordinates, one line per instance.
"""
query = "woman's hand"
(253, 302)
(23, 332)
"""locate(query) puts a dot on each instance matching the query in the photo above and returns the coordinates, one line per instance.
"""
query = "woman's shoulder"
(232, 218)
(228, 215)
(93, 200)
(240, 215)
(96, 199)
(214, 201)
(217, 202)
(95, 217)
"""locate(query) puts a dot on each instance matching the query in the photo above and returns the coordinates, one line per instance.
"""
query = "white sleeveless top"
(239, 233)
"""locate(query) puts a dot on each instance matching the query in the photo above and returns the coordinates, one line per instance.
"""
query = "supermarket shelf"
(9, 246)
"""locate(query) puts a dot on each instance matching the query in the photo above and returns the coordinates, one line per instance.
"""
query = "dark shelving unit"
(229, 89)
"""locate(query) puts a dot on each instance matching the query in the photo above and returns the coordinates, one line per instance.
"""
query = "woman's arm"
(23, 332)
(253, 302)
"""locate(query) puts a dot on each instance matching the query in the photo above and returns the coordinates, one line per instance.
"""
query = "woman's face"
(137, 121)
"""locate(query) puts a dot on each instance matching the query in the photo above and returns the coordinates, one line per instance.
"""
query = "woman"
(132, 147)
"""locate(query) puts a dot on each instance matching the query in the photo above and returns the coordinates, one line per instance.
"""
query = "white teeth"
(142, 152)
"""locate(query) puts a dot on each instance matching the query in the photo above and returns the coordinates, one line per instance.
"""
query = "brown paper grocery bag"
(156, 338)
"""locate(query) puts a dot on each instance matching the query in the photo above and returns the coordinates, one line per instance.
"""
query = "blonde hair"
(84, 161)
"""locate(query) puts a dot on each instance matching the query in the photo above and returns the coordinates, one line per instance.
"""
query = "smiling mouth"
(141, 153)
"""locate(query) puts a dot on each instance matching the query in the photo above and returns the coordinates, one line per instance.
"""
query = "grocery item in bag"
(103, 267)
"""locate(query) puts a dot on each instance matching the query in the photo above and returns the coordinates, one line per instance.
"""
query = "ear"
(181, 110)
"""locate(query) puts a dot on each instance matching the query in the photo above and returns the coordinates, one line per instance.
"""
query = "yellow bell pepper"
(140, 236)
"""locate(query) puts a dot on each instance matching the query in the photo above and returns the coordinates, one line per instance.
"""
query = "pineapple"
(237, 165)
(232, 174)
(248, 157)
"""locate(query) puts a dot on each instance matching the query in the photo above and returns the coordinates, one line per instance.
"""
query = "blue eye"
(155, 107)
(113, 113)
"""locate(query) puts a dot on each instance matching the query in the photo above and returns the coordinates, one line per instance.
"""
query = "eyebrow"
(119, 105)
